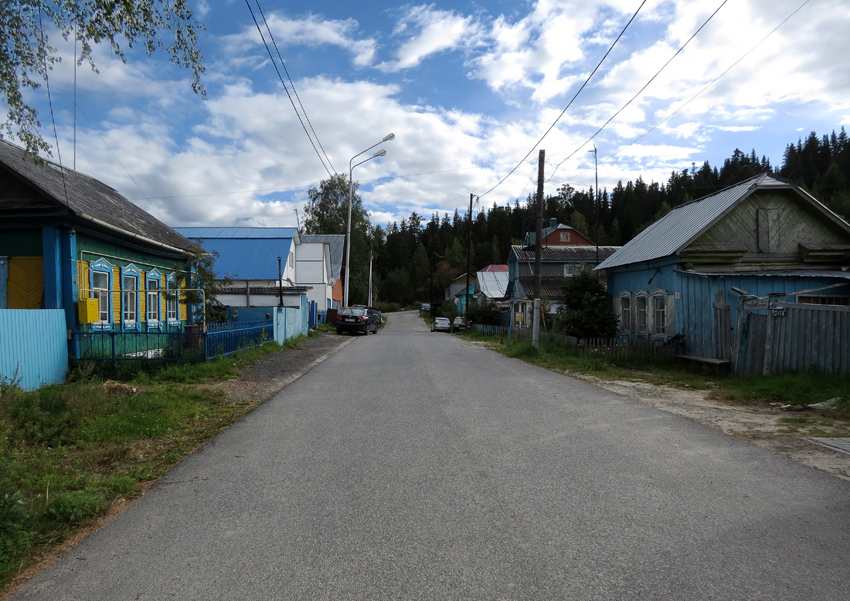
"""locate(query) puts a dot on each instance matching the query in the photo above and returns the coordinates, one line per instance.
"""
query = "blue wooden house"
(759, 247)
(70, 243)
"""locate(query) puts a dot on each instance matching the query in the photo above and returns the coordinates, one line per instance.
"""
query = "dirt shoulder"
(764, 425)
(261, 381)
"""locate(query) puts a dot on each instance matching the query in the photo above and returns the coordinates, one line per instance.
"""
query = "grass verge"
(797, 388)
(68, 453)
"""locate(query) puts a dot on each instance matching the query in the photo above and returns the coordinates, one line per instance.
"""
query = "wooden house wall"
(791, 222)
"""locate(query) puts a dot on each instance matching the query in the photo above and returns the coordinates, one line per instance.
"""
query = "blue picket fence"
(189, 344)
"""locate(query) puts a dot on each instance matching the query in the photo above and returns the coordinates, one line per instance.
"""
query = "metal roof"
(565, 254)
(684, 223)
(250, 256)
(337, 244)
(89, 200)
(494, 268)
(549, 287)
(493, 284)
(793, 273)
(205, 233)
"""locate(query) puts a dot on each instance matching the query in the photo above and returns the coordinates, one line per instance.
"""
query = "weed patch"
(69, 452)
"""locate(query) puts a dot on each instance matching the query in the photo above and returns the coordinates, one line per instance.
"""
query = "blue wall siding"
(694, 309)
(33, 347)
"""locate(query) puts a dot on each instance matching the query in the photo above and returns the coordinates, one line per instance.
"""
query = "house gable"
(770, 227)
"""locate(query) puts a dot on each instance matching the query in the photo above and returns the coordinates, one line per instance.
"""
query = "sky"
(472, 91)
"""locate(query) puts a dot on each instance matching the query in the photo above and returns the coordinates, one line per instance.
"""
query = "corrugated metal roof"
(205, 233)
(337, 244)
(248, 258)
(87, 198)
(565, 254)
(684, 223)
(493, 284)
(549, 287)
(494, 268)
(793, 273)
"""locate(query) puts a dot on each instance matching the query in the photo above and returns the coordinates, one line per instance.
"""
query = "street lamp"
(351, 167)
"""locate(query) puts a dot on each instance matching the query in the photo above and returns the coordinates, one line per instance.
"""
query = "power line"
(280, 77)
(586, 81)
(283, 64)
(639, 92)
(695, 96)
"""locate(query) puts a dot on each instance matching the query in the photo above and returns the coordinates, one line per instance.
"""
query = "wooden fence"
(773, 336)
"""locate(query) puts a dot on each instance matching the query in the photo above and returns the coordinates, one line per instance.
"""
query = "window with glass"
(625, 313)
(565, 236)
(152, 300)
(171, 300)
(100, 291)
(660, 315)
(129, 298)
(640, 307)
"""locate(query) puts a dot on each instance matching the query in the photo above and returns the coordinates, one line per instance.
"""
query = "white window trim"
(171, 285)
(153, 276)
(130, 271)
(626, 324)
(104, 267)
(647, 329)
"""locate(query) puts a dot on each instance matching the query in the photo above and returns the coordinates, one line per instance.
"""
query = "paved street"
(414, 465)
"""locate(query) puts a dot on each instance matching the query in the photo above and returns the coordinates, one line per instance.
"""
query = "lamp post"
(351, 167)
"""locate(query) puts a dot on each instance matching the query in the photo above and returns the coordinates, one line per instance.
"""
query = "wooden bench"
(720, 365)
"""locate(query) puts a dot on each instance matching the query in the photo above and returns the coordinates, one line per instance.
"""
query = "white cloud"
(435, 31)
(309, 31)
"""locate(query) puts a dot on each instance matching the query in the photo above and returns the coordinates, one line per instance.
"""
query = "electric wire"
(586, 81)
(132, 179)
(285, 70)
(695, 96)
(280, 77)
(52, 117)
(639, 92)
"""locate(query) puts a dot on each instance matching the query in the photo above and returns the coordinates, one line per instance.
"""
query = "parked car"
(374, 315)
(458, 323)
(355, 319)
(441, 324)
(424, 308)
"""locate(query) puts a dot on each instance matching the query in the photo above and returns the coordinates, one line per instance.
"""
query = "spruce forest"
(406, 254)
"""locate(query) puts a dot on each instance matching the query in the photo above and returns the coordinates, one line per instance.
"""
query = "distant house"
(764, 240)
(557, 264)
(558, 234)
(335, 244)
(69, 242)
(259, 262)
(459, 284)
(492, 284)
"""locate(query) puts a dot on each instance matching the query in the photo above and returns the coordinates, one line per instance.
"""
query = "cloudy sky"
(468, 89)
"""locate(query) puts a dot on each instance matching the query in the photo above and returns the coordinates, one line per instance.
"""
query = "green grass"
(71, 451)
(797, 388)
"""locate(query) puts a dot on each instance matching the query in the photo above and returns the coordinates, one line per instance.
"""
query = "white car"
(441, 324)
(458, 323)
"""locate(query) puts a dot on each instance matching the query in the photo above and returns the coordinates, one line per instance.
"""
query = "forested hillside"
(406, 252)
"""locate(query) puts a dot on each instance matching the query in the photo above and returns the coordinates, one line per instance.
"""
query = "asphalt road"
(413, 465)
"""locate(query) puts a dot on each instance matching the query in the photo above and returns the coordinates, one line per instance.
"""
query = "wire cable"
(283, 64)
(280, 77)
(639, 92)
(695, 96)
(52, 117)
(586, 81)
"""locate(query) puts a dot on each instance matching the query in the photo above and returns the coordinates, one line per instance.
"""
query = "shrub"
(75, 507)
(585, 312)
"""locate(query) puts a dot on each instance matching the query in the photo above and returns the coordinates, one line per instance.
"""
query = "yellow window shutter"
(25, 284)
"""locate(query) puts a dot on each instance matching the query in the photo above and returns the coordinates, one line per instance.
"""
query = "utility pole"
(468, 264)
(596, 203)
(370, 278)
(538, 258)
